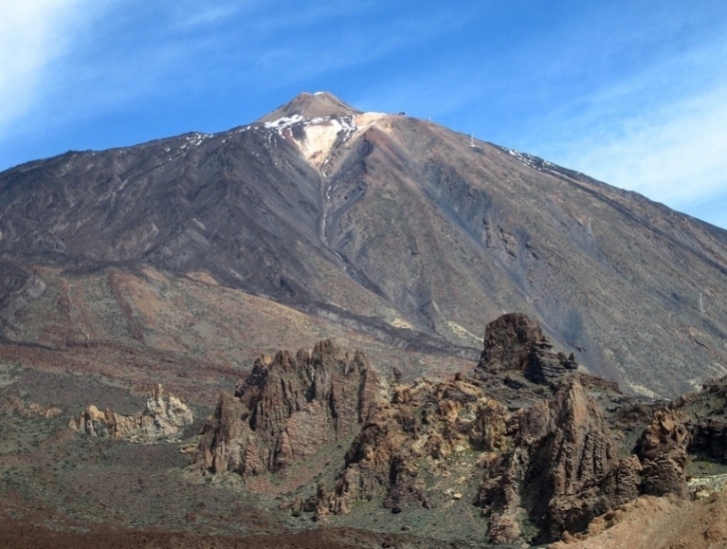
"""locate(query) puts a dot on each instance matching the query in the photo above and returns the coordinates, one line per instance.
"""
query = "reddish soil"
(15, 535)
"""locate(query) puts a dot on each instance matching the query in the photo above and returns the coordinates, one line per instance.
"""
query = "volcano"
(397, 231)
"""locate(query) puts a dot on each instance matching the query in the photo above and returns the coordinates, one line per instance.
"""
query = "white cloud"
(660, 133)
(677, 155)
(32, 34)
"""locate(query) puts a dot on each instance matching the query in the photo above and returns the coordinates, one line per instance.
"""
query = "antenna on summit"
(472, 140)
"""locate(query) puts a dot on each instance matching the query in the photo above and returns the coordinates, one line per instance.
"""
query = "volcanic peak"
(311, 105)
(318, 124)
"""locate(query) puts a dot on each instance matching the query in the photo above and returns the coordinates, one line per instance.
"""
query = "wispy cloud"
(191, 15)
(248, 44)
(678, 153)
(662, 138)
(32, 35)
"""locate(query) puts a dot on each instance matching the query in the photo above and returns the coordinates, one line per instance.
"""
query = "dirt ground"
(658, 523)
(16, 535)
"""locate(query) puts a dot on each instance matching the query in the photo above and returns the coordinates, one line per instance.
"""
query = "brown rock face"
(423, 426)
(553, 463)
(513, 342)
(706, 413)
(563, 471)
(709, 438)
(508, 342)
(662, 448)
(287, 409)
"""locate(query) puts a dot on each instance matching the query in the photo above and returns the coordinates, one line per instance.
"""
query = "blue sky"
(631, 92)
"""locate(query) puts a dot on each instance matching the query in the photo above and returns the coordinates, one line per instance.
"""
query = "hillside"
(396, 230)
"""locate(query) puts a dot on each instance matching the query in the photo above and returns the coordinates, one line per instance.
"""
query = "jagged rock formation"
(683, 434)
(662, 448)
(163, 418)
(706, 420)
(287, 409)
(526, 436)
(563, 470)
(409, 438)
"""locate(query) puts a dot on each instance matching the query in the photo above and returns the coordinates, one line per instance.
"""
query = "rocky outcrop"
(409, 439)
(553, 463)
(537, 444)
(163, 418)
(287, 409)
(706, 413)
(709, 438)
(562, 471)
(514, 343)
(25, 408)
(509, 341)
(662, 449)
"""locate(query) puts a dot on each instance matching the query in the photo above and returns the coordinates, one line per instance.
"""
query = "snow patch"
(320, 137)
(317, 137)
(284, 122)
(530, 160)
(196, 139)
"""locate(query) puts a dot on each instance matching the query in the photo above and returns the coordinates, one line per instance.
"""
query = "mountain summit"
(311, 105)
(398, 230)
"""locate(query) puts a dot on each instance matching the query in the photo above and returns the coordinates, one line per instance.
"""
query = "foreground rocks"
(289, 408)
(563, 470)
(528, 437)
(163, 418)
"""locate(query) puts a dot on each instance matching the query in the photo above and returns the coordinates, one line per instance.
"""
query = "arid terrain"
(273, 337)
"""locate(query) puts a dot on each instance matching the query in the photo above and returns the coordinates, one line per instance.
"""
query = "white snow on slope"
(320, 135)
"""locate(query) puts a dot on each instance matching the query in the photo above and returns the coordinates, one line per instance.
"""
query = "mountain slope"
(394, 227)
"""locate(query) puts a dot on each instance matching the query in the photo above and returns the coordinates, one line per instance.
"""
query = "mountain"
(397, 231)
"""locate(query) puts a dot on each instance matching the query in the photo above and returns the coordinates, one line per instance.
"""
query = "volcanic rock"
(537, 453)
(287, 409)
(662, 448)
(513, 342)
(564, 469)
(163, 418)
(422, 426)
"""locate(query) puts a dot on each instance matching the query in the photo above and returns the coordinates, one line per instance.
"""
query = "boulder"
(516, 343)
